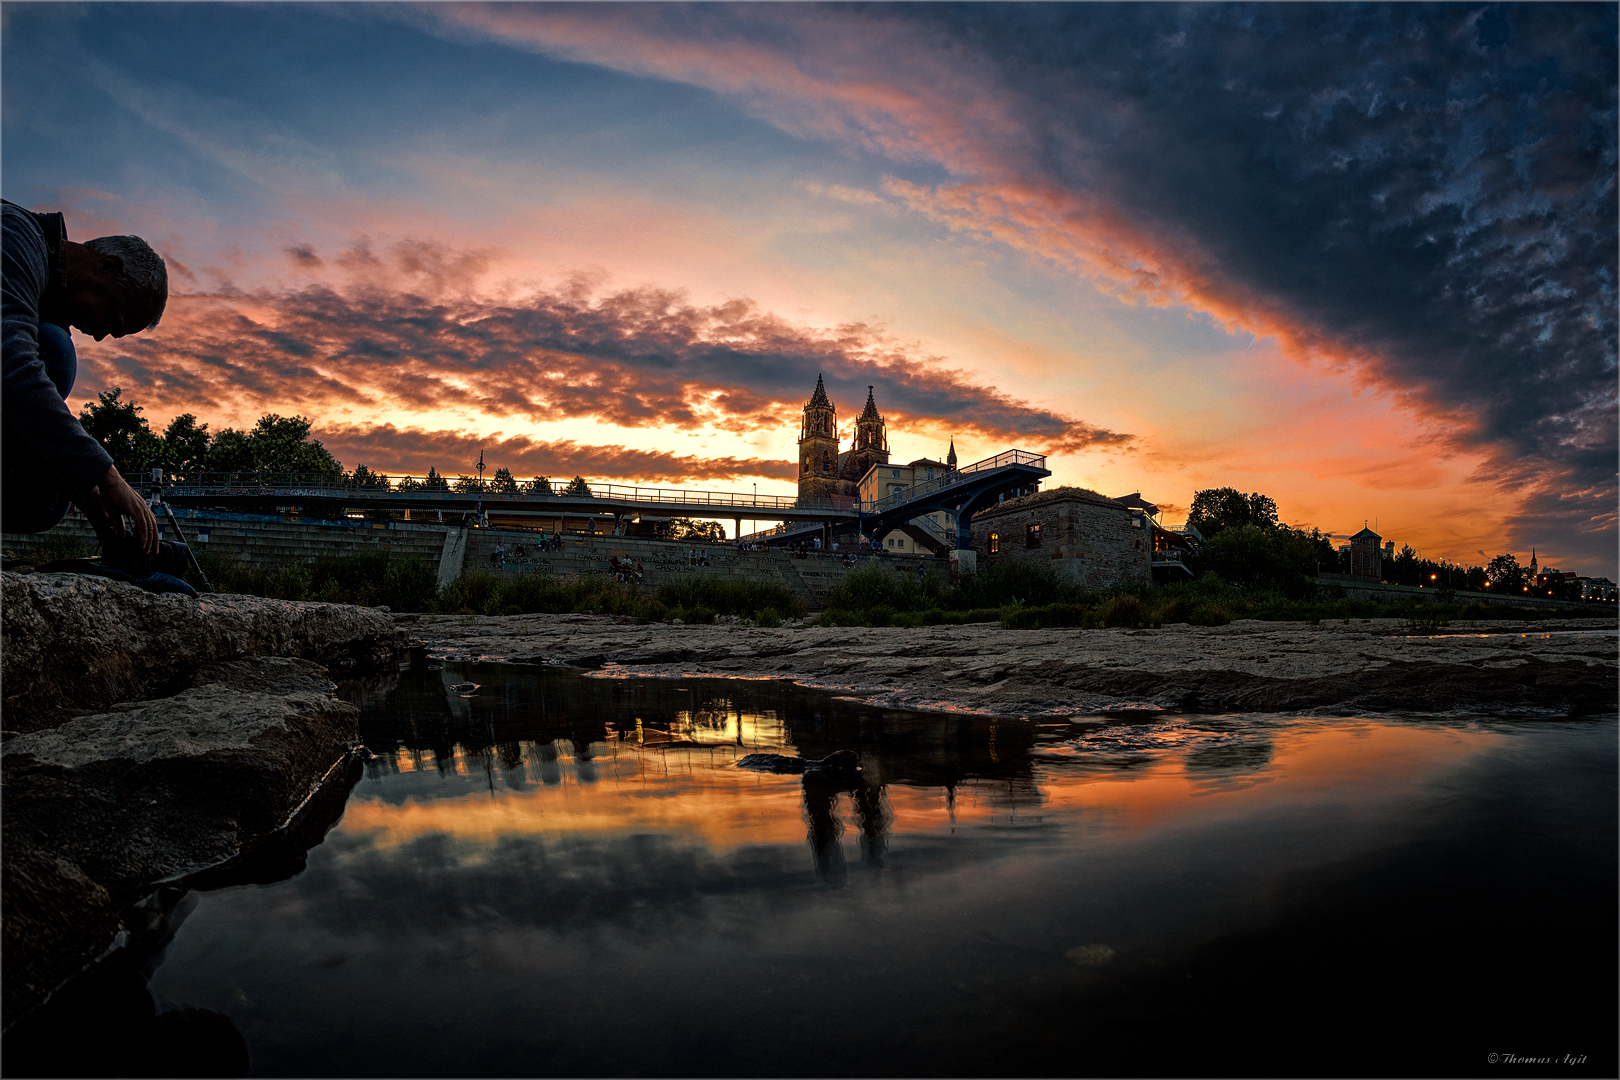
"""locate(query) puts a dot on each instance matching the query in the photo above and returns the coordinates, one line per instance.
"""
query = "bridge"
(960, 492)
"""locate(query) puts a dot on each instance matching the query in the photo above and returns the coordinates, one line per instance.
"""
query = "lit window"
(1032, 534)
(995, 543)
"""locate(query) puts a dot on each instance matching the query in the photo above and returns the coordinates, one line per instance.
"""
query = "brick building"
(1088, 538)
(1366, 562)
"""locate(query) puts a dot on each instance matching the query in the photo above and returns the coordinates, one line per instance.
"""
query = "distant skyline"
(1361, 258)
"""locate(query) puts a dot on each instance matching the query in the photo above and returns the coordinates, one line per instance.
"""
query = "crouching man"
(111, 286)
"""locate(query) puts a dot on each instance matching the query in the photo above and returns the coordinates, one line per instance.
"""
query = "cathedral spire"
(819, 398)
(870, 412)
(950, 458)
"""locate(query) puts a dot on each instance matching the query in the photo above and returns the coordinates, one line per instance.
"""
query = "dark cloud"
(1425, 192)
(453, 453)
(304, 257)
(637, 358)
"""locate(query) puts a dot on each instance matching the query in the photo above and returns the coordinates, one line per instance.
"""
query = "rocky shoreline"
(152, 741)
(153, 744)
(1554, 667)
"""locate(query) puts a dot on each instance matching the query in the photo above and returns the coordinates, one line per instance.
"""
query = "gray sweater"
(30, 407)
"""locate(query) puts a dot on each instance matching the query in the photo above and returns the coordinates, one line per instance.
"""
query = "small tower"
(1365, 562)
(1534, 568)
(950, 458)
(818, 445)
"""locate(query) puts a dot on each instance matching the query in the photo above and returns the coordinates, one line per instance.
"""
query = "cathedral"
(826, 472)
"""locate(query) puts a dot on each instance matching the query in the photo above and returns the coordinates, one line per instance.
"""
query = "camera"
(124, 553)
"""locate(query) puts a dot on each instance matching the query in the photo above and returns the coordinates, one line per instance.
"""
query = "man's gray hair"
(143, 272)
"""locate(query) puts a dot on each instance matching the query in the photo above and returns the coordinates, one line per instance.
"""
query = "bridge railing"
(378, 486)
(951, 479)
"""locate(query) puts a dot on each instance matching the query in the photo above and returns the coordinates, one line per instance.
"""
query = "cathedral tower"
(871, 441)
(818, 446)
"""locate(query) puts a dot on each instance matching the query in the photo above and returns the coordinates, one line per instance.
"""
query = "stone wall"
(1089, 539)
(263, 540)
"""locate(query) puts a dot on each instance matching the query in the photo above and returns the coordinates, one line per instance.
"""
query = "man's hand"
(108, 502)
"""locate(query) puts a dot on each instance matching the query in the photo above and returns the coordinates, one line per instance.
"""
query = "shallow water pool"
(553, 874)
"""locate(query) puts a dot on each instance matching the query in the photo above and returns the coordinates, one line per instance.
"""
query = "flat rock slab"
(101, 808)
(73, 642)
(1365, 666)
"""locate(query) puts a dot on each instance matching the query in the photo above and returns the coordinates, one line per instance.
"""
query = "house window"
(1032, 534)
(894, 473)
(930, 474)
(995, 543)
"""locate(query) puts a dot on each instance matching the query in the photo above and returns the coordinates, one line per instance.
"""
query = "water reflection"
(526, 866)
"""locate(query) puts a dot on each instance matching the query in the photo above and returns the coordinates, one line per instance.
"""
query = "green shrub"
(697, 613)
(770, 617)
(1176, 610)
(1038, 618)
(742, 598)
(1207, 614)
(1125, 611)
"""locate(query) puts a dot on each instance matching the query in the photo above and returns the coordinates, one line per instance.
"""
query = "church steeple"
(818, 445)
(950, 458)
(870, 412)
(1533, 567)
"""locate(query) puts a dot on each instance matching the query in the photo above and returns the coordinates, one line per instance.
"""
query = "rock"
(102, 808)
(71, 642)
(57, 922)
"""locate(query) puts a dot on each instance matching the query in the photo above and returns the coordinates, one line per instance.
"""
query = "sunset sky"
(1360, 258)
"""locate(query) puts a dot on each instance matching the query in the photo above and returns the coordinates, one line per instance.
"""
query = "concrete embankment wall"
(263, 540)
(260, 539)
(812, 578)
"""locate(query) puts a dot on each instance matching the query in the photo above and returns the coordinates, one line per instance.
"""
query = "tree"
(690, 529)
(435, 482)
(281, 444)
(363, 479)
(467, 484)
(540, 485)
(229, 452)
(1217, 509)
(1505, 573)
(504, 482)
(408, 483)
(185, 444)
(277, 444)
(1253, 557)
(122, 431)
(1404, 570)
(578, 486)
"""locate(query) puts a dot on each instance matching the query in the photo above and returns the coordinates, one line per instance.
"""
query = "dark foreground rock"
(72, 642)
(155, 743)
(1350, 668)
(105, 807)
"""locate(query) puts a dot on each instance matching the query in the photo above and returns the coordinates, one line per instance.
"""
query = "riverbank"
(154, 741)
(1551, 667)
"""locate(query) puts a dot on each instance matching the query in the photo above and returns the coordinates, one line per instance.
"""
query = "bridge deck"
(954, 491)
